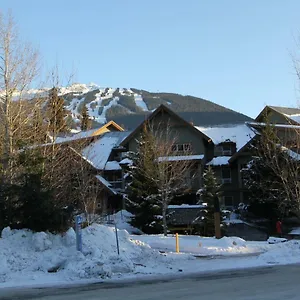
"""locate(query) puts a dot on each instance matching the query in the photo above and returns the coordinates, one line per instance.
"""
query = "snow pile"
(282, 253)
(122, 219)
(40, 255)
(202, 246)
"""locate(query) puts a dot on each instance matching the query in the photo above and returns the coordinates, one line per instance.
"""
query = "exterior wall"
(229, 189)
(273, 117)
(181, 133)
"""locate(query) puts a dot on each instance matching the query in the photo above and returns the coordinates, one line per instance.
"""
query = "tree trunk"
(164, 215)
(217, 218)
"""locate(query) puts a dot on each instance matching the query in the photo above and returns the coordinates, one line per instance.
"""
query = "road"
(276, 283)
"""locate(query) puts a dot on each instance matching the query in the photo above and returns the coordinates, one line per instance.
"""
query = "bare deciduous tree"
(18, 68)
(279, 148)
(169, 171)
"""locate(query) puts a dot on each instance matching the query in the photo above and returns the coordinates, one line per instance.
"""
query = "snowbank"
(122, 219)
(282, 253)
(203, 246)
(45, 256)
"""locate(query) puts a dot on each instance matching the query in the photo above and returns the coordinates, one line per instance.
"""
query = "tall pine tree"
(209, 193)
(56, 113)
(142, 199)
(86, 123)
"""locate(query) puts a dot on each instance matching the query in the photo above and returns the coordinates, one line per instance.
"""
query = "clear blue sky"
(233, 52)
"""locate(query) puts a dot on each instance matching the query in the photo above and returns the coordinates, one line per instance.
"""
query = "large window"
(226, 175)
(182, 147)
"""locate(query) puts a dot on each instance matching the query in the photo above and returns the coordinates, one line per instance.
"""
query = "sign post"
(78, 222)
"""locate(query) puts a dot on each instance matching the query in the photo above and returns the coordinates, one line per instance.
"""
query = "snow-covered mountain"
(129, 106)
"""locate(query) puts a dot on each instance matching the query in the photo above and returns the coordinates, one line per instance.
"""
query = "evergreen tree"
(142, 199)
(56, 113)
(209, 194)
(86, 123)
(265, 188)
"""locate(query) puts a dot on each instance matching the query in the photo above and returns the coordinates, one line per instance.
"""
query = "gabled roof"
(291, 114)
(286, 110)
(105, 128)
(90, 133)
(163, 108)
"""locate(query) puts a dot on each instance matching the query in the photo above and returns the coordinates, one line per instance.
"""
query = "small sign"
(79, 219)
(78, 222)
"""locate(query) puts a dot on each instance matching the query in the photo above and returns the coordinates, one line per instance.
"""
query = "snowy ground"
(26, 257)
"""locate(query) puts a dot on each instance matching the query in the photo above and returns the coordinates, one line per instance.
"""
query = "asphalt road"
(276, 283)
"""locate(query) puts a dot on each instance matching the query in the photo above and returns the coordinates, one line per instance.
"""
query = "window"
(187, 147)
(182, 147)
(223, 150)
(243, 177)
(226, 175)
(226, 149)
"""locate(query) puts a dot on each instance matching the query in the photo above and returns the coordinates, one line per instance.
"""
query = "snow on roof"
(185, 206)
(274, 125)
(126, 161)
(106, 183)
(77, 136)
(295, 117)
(112, 165)
(295, 231)
(292, 154)
(180, 157)
(99, 151)
(219, 161)
(240, 134)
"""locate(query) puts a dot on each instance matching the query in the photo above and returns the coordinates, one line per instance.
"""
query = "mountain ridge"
(130, 106)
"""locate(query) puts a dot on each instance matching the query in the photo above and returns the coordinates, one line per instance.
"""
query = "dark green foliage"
(105, 102)
(209, 194)
(88, 98)
(114, 111)
(153, 102)
(272, 175)
(28, 202)
(85, 120)
(56, 113)
(100, 110)
(37, 210)
(128, 102)
(142, 194)
(70, 96)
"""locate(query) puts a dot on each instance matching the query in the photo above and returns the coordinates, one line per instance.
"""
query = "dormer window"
(226, 149)
(223, 150)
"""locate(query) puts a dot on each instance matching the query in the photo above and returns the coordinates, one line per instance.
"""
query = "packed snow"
(185, 206)
(93, 106)
(41, 258)
(102, 118)
(294, 117)
(140, 102)
(219, 161)
(181, 157)
(201, 246)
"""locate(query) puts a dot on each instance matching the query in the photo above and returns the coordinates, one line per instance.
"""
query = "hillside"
(129, 107)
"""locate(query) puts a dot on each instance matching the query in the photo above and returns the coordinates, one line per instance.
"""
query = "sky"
(236, 53)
